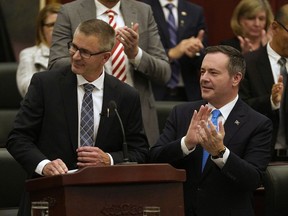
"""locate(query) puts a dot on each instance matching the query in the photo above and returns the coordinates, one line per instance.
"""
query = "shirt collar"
(165, 2)
(227, 108)
(272, 54)
(98, 83)
(101, 9)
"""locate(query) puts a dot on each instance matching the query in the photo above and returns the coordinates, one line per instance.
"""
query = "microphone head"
(112, 105)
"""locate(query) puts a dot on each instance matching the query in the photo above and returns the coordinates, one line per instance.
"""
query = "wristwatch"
(220, 154)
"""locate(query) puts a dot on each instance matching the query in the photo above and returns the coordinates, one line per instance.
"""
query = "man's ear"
(237, 78)
(106, 57)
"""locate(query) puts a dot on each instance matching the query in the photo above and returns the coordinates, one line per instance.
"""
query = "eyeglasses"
(49, 25)
(282, 25)
(83, 53)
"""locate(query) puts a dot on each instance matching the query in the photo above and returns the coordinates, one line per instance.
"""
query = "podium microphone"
(113, 107)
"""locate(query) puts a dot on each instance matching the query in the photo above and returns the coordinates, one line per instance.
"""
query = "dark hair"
(102, 30)
(236, 60)
(282, 15)
(40, 23)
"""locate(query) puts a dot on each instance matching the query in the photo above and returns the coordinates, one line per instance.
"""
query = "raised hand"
(211, 139)
(245, 44)
(277, 91)
(129, 37)
(190, 47)
(192, 138)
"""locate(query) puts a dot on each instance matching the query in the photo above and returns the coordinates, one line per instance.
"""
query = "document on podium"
(72, 171)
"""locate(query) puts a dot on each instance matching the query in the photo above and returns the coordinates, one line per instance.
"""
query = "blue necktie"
(87, 117)
(172, 29)
(215, 114)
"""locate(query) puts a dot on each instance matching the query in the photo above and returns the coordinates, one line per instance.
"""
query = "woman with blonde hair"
(250, 23)
(35, 59)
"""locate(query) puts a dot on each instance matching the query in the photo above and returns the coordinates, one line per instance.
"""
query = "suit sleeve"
(154, 62)
(248, 169)
(24, 135)
(62, 34)
(168, 147)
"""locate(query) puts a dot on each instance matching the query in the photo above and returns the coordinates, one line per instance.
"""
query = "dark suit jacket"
(256, 88)
(190, 21)
(154, 62)
(46, 126)
(227, 191)
(234, 42)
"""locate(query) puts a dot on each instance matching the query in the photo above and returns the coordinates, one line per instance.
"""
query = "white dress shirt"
(101, 14)
(274, 58)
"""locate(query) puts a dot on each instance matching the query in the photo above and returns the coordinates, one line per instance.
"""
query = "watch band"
(220, 154)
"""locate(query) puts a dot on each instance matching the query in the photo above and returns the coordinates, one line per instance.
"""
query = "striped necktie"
(118, 55)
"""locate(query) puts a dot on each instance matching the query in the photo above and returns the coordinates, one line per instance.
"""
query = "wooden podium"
(115, 190)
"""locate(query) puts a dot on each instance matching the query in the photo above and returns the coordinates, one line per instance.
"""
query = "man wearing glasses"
(139, 58)
(55, 131)
(265, 84)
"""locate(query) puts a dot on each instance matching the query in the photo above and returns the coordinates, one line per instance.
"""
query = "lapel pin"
(183, 13)
(237, 122)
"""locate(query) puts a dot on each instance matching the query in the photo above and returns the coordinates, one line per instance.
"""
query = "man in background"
(265, 85)
(182, 29)
(144, 60)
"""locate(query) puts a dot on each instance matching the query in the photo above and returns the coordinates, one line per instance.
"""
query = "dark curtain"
(6, 51)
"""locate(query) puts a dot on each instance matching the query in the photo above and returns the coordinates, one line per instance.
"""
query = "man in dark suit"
(263, 87)
(224, 161)
(47, 135)
(145, 57)
(185, 55)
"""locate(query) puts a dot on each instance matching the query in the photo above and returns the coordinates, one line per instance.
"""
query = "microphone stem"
(125, 147)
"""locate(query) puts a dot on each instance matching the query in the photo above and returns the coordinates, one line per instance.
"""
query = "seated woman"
(35, 59)
(250, 23)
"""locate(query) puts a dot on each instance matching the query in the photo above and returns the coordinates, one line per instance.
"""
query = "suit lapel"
(105, 125)
(264, 66)
(161, 21)
(183, 19)
(236, 119)
(68, 86)
(129, 13)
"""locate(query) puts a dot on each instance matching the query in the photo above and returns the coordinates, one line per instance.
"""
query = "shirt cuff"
(111, 159)
(184, 148)
(220, 162)
(274, 106)
(41, 165)
(135, 62)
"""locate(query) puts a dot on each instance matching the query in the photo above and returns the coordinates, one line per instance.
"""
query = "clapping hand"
(129, 38)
